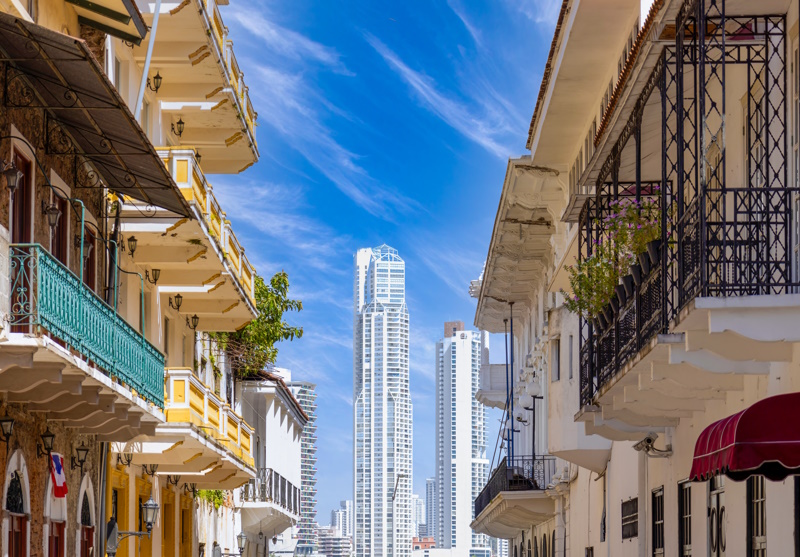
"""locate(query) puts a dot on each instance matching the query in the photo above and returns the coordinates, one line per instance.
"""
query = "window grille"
(630, 519)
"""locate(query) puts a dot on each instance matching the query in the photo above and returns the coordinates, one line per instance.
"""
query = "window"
(684, 519)
(87, 530)
(555, 357)
(657, 515)
(57, 540)
(58, 241)
(589, 552)
(570, 348)
(630, 519)
(553, 544)
(756, 517)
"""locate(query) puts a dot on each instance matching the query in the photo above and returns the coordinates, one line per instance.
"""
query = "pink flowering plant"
(631, 225)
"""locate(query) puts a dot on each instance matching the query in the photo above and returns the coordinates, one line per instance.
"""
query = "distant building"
(418, 515)
(332, 544)
(342, 518)
(430, 507)
(382, 443)
(461, 432)
(306, 527)
(423, 543)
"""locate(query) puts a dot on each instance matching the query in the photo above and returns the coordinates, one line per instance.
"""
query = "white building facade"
(461, 463)
(430, 507)
(342, 518)
(691, 106)
(382, 406)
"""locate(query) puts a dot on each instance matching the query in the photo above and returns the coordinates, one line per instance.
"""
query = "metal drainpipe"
(100, 531)
(508, 391)
(146, 69)
(642, 515)
(511, 376)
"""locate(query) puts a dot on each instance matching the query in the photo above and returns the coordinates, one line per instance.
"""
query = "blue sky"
(379, 122)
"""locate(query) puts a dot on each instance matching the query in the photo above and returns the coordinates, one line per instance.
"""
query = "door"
(87, 541)
(717, 517)
(56, 542)
(21, 202)
(17, 536)
(21, 302)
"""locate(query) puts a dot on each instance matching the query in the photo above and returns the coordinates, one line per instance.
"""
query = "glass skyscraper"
(381, 405)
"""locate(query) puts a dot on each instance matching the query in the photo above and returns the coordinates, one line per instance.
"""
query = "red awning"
(763, 439)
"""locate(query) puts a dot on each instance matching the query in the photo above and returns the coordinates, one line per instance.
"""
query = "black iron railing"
(725, 231)
(524, 473)
(270, 487)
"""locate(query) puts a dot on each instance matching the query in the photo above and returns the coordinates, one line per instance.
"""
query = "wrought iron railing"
(47, 298)
(270, 487)
(725, 232)
(525, 473)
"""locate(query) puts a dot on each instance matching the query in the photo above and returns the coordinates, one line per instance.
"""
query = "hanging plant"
(592, 281)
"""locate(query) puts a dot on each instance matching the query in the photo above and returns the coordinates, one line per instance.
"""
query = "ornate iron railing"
(47, 298)
(270, 487)
(721, 235)
(525, 473)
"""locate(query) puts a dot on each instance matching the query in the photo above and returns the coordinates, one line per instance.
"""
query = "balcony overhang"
(118, 18)
(56, 383)
(492, 391)
(262, 516)
(85, 116)
(512, 511)
(719, 343)
(520, 250)
(203, 84)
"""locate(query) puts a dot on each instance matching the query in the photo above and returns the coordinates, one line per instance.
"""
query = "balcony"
(202, 259)
(269, 501)
(48, 299)
(514, 498)
(203, 440)
(719, 296)
(204, 85)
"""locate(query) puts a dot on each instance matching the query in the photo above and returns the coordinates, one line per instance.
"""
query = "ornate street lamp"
(157, 79)
(46, 446)
(82, 452)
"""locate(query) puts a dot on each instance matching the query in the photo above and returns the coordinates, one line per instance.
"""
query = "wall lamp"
(197, 156)
(195, 321)
(156, 276)
(46, 446)
(178, 302)
(132, 242)
(124, 459)
(88, 245)
(179, 129)
(82, 452)
(12, 175)
(149, 512)
(173, 480)
(150, 469)
(6, 430)
(157, 79)
(190, 488)
(52, 212)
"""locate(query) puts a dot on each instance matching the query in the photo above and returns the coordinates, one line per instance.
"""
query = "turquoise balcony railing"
(46, 297)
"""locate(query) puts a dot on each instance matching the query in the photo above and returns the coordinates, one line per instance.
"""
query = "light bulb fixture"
(82, 452)
(195, 321)
(173, 480)
(197, 156)
(177, 129)
(46, 446)
(52, 212)
(156, 276)
(241, 539)
(176, 302)
(132, 242)
(124, 459)
(12, 175)
(150, 469)
(157, 79)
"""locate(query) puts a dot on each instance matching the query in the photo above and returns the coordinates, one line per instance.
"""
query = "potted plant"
(592, 281)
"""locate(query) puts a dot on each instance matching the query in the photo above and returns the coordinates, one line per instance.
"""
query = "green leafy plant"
(592, 281)
(250, 349)
(214, 496)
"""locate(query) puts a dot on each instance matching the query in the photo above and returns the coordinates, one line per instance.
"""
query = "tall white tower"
(430, 507)
(461, 463)
(382, 436)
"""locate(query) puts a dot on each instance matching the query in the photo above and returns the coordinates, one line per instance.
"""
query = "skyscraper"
(306, 395)
(342, 518)
(430, 507)
(418, 511)
(382, 406)
(461, 463)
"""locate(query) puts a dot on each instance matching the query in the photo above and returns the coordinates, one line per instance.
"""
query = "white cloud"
(483, 129)
(455, 267)
(539, 11)
(458, 9)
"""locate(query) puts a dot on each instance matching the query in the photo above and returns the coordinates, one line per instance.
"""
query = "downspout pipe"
(508, 398)
(146, 70)
(511, 377)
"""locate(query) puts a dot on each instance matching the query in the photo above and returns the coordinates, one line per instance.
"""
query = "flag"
(57, 475)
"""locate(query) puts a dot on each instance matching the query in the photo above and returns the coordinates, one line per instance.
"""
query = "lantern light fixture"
(176, 302)
(156, 85)
(13, 175)
(46, 446)
(155, 277)
(241, 539)
(124, 459)
(82, 452)
(194, 322)
(52, 212)
(132, 242)
(178, 128)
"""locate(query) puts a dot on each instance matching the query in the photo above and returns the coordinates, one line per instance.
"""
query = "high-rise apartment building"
(418, 511)
(342, 518)
(382, 406)
(307, 526)
(430, 507)
(461, 463)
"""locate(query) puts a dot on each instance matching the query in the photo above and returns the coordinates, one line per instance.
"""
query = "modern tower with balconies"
(382, 405)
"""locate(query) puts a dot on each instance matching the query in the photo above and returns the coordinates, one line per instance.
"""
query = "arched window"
(535, 548)
(529, 549)
(544, 545)
(522, 549)
(87, 528)
(16, 505)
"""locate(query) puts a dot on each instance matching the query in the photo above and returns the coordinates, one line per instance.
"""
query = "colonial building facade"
(660, 421)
